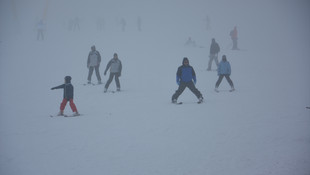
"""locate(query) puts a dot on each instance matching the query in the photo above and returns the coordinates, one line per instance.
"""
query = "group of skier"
(93, 63)
(185, 76)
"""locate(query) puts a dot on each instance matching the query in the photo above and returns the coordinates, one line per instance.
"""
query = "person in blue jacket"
(224, 70)
(186, 77)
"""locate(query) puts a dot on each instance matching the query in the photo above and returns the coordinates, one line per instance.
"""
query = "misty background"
(261, 128)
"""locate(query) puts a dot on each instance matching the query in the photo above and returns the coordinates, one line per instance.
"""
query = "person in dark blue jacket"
(224, 70)
(68, 96)
(186, 77)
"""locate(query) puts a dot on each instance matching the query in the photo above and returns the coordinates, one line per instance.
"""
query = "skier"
(68, 96)
(214, 50)
(115, 66)
(190, 42)
(40, 30)
(234, 38)
(93, 62)
(224, 70)
(186, 77)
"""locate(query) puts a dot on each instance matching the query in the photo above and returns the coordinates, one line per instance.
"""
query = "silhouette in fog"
(224, 70)
(115, 66)
(139, 24)
(123, 24)
(40, 30)
(100, 24)
(214, 50)
(234, 38)
(68, 96)
(74, 24)
(190, 42)
(93, 62)
(186, 77)
(208, 23)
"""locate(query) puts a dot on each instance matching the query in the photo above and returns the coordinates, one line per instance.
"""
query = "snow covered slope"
(261, 128)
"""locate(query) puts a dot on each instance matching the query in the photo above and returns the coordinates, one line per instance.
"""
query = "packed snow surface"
(262, 128)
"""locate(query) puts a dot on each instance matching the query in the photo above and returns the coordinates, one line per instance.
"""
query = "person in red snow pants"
(68, 96)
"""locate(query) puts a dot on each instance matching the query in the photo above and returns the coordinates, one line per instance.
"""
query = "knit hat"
(67, 79)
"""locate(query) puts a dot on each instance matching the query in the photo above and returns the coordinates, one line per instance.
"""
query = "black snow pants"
(182, 87)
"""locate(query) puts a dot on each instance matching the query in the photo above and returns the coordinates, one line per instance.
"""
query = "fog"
(261, 128)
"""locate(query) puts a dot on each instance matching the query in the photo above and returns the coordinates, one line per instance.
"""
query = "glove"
(195, 81)
(178, 82)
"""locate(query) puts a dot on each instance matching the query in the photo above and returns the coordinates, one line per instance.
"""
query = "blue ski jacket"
(185, 74)
(224, 68)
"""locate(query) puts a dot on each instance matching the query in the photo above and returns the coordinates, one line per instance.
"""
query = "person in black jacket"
(214, 50)
(68, 96)
(186, 77)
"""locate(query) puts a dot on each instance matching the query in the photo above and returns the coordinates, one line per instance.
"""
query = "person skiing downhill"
(224, 70)
(115, 66)
(214, 50)
(93, 62)
(186, 77)
(68, 96)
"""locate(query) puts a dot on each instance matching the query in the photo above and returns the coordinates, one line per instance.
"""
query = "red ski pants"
(64, 103)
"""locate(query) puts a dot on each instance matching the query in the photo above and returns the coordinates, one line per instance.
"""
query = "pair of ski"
(86, 84)
(65, 115)
(216, 90)
(179, 103)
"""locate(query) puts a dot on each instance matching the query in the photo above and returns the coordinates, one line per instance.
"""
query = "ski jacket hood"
(185, 59)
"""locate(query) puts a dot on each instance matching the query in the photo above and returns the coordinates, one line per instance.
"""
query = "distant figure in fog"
(139, 24)
(123, 24)
(190, 42)
(40, 30)
(224, 70)
(234, 38)
(93, 62)
(208, 23)
(100, 24)
(214, 50)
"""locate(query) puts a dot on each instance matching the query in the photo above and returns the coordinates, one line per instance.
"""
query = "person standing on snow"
(93, 62)
(186, 77)
(115, 66)
(224, 70)
(214, 50)
(234, 38)
(68, 96)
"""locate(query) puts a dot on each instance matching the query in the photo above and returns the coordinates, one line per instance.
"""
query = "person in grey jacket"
(214, 50)
(93, 62)
(115, 66)
(224, 70)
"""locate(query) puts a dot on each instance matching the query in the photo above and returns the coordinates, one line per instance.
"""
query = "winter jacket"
(224, 68)
(234, 33)
(94, 58)
(115, 66)
(214, 48)
(186, 74)
(68, 90)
